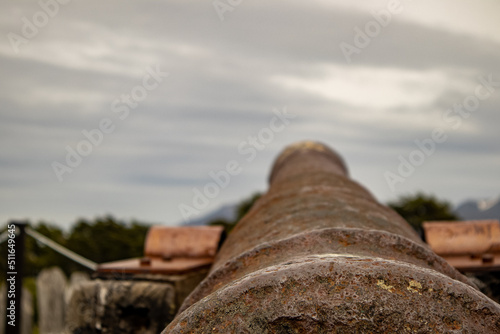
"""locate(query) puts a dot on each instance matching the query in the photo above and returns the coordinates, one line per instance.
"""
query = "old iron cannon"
(318, 254)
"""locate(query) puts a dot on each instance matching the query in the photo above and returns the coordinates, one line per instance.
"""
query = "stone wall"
(142, 304)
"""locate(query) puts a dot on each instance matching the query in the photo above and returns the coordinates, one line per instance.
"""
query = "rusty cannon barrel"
(318, 254)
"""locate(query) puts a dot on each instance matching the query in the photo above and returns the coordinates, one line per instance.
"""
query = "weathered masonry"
(142, 295)
(318, 254)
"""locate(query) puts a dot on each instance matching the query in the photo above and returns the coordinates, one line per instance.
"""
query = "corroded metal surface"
(467, 245)
(318, 254)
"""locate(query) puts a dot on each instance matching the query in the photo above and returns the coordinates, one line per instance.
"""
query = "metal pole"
(61, 250)
(318, 254)
(15, 273)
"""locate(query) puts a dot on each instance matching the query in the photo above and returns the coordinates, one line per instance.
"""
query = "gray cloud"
(222, 89)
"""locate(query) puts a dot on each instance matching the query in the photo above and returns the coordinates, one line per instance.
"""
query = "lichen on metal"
(318, 254)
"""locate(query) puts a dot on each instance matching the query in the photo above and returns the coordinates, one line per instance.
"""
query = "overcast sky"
(176, 88)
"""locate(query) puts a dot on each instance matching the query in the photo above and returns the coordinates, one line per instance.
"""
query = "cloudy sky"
(125, 107)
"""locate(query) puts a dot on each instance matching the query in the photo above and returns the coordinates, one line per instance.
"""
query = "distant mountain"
(482, 209)
(227, 212)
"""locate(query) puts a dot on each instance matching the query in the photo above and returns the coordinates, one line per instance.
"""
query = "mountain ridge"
(479, 209)
(225, 212)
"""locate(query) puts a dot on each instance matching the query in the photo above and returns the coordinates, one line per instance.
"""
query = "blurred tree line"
(101, 240)
(420, 207)
(107, 239)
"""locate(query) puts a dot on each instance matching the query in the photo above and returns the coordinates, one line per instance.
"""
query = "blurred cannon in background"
(472, 247)
(142, 295)
(469, 246)
(318, 254)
